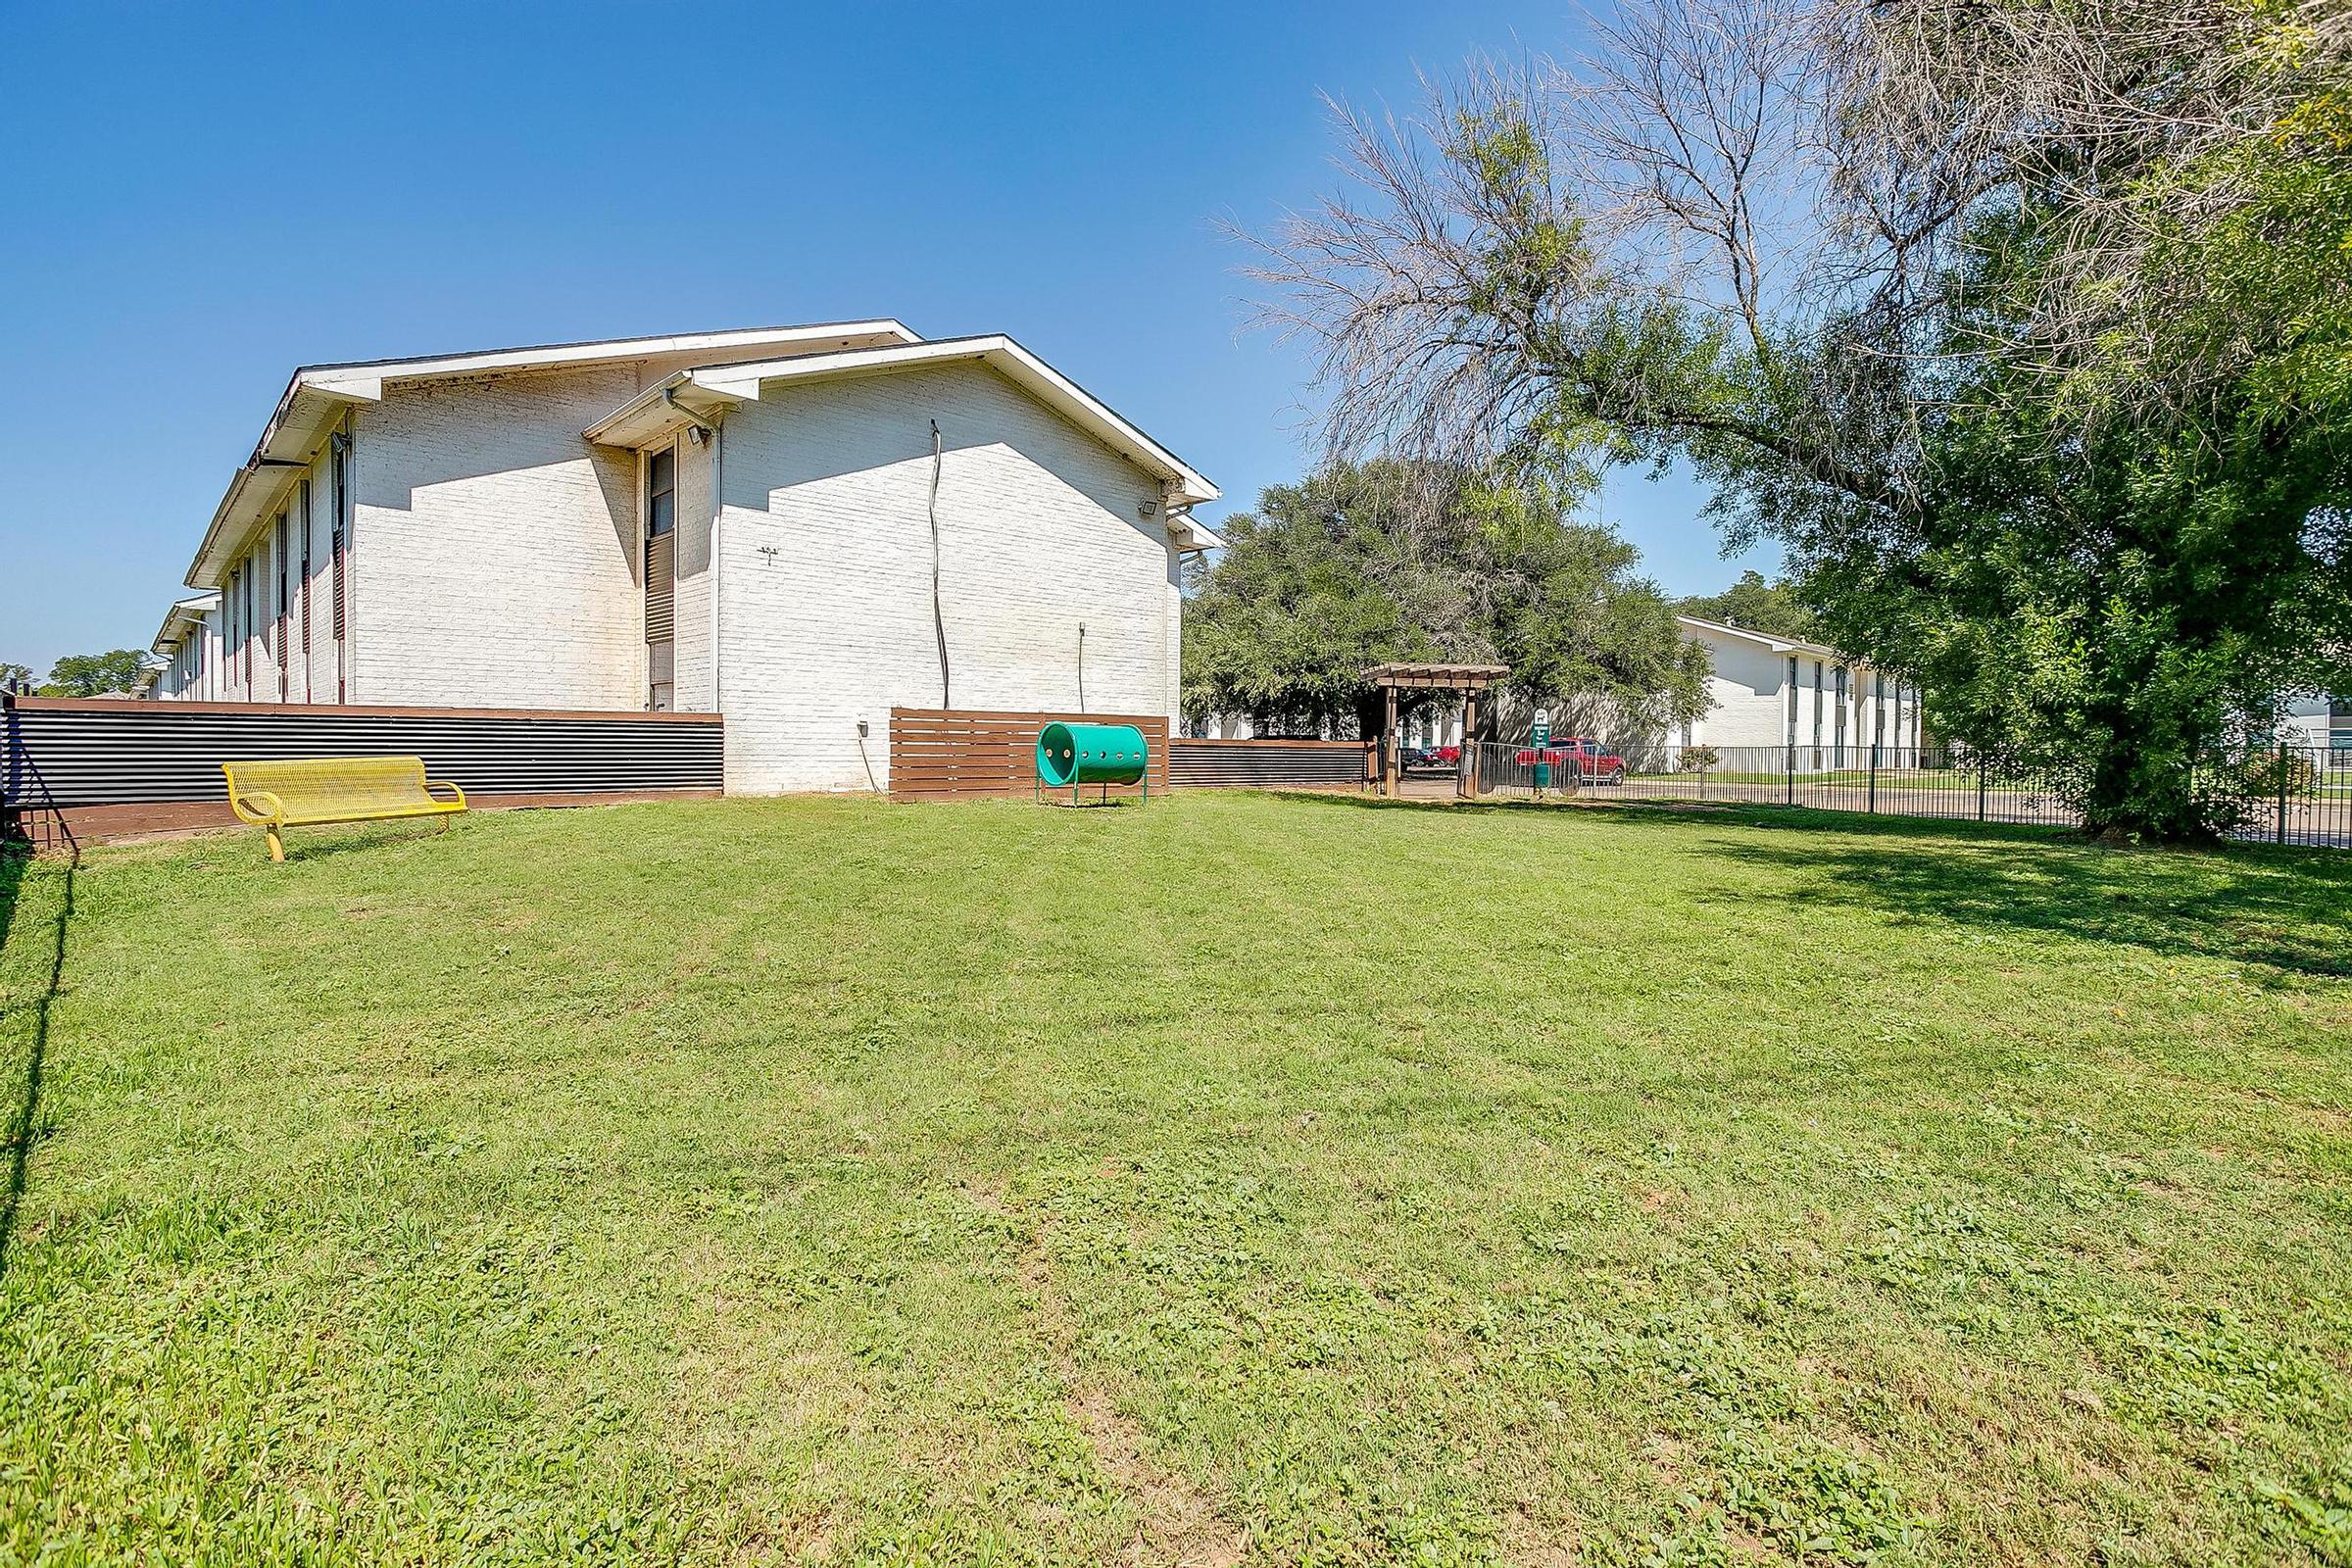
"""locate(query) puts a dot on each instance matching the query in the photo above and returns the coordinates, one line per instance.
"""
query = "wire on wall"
(939, 619)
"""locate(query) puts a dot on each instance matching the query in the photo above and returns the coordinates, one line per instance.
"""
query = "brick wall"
(493, 551)
(494, 562)
(826, 571)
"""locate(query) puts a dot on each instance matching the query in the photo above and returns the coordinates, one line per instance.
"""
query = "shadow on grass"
(1744, 813)
(2285, 910)
(2256, 907)
(331, 839)
(24, 1114)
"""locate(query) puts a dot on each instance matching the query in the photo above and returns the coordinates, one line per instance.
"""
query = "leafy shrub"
(2266, 773)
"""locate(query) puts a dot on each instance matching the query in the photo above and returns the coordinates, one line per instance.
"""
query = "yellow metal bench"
(310, 790)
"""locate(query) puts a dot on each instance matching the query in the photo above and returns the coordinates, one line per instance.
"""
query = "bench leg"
(441, 824)
(278, 846)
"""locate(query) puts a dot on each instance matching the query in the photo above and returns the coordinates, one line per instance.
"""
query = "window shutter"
(309, 527)
(661, 588)
(284, 615)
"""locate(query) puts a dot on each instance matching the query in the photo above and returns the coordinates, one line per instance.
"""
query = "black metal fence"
(2282, 795)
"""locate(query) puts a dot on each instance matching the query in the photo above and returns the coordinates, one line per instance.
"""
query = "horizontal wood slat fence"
(1269, 764)
(969, 753)
(121, 768)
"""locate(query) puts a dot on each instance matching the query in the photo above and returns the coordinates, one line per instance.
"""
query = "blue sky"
(197, 199)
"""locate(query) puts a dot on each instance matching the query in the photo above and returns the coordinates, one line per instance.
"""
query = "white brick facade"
(494, 550)
(1765, 691)
(826, 570)
(189, 644)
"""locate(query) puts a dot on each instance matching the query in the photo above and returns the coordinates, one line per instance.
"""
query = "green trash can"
(1070, 754)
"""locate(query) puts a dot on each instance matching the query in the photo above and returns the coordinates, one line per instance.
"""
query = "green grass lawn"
(1233, 1179)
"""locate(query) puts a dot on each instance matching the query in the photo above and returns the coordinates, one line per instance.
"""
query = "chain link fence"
(2280, 795)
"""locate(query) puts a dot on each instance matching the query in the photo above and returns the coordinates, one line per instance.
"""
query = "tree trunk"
(2141, 784)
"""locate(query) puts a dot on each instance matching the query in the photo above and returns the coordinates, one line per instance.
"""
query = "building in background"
(2321, 724)
(1765, 690)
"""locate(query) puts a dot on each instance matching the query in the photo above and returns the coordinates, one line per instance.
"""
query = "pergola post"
(1467, 775)
(1391, 764)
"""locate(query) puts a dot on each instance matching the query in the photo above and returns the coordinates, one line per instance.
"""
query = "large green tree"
(1776, 606)
(2021, 323)
(94, 675)
(1364, 563)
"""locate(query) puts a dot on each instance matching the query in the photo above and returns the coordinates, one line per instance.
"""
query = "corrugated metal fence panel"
(960, 753)
(1267, 765)
(108, 753)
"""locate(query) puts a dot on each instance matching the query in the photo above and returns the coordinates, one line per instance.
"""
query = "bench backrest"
(310, 785)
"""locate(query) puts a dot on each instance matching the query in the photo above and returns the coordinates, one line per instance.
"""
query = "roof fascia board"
(1001, 354)
(367, 380)
(1779, 645)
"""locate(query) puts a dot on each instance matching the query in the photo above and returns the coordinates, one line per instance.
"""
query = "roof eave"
(1779, 645)
(1188, 486)
(658, 412)
(187, 612)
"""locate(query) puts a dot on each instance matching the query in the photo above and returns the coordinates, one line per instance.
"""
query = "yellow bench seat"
(304, 792)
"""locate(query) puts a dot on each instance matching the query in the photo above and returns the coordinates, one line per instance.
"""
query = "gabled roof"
(365, 379)
(316, 396)
(1779, 645)
(182, 620)
(711, 389)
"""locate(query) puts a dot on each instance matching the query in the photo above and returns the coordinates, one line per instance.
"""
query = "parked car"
(1582, 760)
(1432, 756)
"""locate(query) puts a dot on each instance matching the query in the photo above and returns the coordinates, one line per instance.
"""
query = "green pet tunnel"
(1071, 754)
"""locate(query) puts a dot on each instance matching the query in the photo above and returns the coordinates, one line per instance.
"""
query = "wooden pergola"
(1467, 679)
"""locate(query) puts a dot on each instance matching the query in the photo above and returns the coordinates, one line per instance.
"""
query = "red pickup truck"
(1582, 760)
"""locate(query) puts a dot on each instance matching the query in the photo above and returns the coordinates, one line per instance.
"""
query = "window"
(661, 493)
(1817, 708)
(661, 578)
(1841, 721)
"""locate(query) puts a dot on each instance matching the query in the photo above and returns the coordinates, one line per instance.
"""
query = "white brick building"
(1764, 690)
(751, 522)
(189, 644)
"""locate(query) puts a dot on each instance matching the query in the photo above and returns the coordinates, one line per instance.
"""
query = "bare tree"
(2114, 121)
(1612, 256)
(1737, 229)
